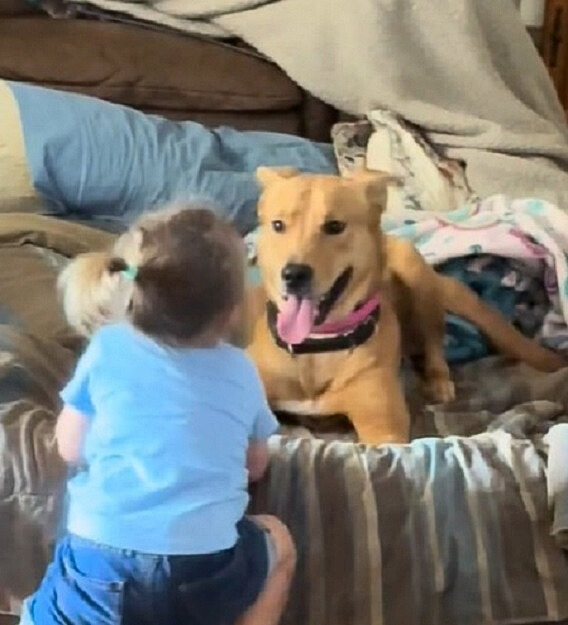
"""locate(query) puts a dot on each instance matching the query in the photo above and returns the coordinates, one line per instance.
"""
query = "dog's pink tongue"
(295, 320)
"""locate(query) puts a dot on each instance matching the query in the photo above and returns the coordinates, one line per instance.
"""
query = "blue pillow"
(93, 160)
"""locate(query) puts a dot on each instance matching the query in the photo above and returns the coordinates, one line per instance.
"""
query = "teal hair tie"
(130, 273)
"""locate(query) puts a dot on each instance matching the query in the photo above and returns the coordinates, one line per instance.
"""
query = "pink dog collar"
(346, 334)
(349, 323)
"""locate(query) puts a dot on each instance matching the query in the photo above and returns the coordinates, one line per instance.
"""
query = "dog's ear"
(374, 185)
(375, 178)
(268, 175)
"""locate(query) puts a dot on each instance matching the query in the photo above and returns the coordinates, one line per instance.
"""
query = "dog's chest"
(316, 373)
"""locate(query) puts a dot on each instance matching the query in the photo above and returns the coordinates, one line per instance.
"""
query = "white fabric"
(395, 150)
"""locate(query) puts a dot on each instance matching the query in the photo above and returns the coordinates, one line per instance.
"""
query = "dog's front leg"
(375, 405)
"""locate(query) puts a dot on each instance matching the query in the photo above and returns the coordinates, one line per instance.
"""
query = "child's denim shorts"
(92, 584)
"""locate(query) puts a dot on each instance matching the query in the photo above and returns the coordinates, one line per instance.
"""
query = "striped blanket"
(437, 532)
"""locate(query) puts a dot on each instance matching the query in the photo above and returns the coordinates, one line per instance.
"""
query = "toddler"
(164, 422)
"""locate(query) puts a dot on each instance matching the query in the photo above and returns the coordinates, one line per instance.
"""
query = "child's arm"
(257, 460)
(78, 409)
(70, 433)
(263, 426)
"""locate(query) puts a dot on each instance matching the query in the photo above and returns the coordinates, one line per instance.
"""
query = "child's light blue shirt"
(166, 450)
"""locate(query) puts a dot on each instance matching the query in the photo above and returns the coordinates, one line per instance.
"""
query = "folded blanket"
(512, 286)
(427, 179)
(434, 532)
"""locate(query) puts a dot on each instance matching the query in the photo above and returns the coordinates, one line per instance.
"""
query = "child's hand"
(70, 433)
(257, 460)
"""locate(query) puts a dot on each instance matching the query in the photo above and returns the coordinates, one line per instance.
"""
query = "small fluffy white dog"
(91, 294)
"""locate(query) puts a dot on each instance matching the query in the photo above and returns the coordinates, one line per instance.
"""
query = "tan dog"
(345, 302)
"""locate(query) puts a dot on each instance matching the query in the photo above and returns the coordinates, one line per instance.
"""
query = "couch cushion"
(141, 67)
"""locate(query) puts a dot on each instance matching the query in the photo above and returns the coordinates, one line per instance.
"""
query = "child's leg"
(271, 602)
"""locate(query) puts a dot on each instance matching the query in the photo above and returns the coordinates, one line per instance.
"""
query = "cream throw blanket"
(465, 71)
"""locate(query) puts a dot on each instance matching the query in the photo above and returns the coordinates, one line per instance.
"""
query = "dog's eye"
(333, 227)
(278, 225)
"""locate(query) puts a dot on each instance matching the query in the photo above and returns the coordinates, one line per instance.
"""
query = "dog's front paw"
(439, 390)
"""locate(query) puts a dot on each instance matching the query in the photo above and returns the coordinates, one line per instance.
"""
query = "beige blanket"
(465, 70)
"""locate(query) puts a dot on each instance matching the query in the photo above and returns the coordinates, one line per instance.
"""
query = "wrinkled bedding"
(443, 530)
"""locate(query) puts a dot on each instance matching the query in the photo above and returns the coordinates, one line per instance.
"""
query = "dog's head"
(320, 248)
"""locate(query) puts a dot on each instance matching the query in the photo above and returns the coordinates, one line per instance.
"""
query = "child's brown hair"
(189, 277)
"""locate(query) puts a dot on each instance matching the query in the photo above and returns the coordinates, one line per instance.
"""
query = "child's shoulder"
(111, 331)
(111, 337)
(237, 357)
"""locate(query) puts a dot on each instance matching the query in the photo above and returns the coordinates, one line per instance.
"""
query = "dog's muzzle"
(297, 279)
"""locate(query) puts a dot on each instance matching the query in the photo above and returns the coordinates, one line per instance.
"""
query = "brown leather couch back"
(15, 7)
(165, 73)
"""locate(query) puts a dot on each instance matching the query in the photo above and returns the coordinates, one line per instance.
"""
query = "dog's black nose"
(297, 276)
